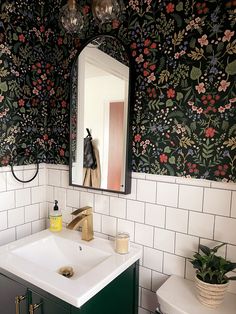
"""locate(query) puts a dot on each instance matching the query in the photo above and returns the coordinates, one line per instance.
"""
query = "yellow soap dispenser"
(55, 219)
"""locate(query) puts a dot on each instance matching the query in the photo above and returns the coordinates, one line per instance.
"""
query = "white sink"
(37, 259)
(53, 252)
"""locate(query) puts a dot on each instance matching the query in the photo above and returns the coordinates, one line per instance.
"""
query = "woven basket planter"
(210, 295)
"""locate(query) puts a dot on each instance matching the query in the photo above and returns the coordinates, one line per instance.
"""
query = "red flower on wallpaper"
(221, 170)
(21, 38)
(170, 93)
(137, 138)
(163, 158)
(210, 132)
(21, 102)
(170, 7)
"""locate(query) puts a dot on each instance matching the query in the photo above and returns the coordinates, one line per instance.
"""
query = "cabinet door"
(44, 305)
(9, 291)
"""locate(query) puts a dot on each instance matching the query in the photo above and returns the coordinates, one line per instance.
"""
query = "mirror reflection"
(99, 116)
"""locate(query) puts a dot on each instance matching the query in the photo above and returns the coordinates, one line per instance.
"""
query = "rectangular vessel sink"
(52, 253)
(37, 259)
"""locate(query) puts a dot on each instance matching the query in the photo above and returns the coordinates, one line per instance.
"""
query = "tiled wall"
(166, 216)
(23, 207)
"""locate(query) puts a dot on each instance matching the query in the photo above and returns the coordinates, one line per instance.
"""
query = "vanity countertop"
(36, 259)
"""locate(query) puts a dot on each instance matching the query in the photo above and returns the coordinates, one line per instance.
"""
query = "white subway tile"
(66, 215)
(7, 236)
(28, 175)
(126, 226)
(3, 220)
(97, 222)
(225, 230)
(186, 245)
(177, 219)
(160, 178)
(38, 225)
(201, 224)
(23, 231)
(174, 265)
(23, 197)
(194, 182)
(3, 181)
(144, 234)
(109, 225)
(43, 176)
(86, 199)
(190, 272)
(146, 191)
(233, 205)
(65, 179)
(190, 197)
(152, 259)
(155, 215)
(167, 194)
(15, 217)
(12, 183)
(223, 185)
(102, 204)
(133, 193)
(145, 277)
(164, 240)
(54, 177)
(38, 194)
(231, 253)
(135, 211)
(217, 201)
(60, 196)
(118, 207)
(31, 212)
(72, 198)
(7, 200)
(43, 211)
(49, 193)
(157, 280)
(138, 175)
(148, 300)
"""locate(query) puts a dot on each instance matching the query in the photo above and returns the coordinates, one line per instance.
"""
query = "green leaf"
(209, 49)
(3, 86)
(167, 150)
(179, 7)
(19, 29)
(231, 68)
(206, 250)
(179, 96)
(172, 160)
(195, 73)
(15, 37)
(169, 103)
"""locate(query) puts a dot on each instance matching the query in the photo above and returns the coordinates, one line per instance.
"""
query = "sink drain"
(66, 271)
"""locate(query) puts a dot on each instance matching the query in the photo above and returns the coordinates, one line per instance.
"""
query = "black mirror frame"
(127, 187)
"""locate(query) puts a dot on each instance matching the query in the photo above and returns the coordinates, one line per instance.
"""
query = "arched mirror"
(99, 116)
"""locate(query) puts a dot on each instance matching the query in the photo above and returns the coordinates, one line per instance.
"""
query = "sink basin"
(52, 253)
(38, 258)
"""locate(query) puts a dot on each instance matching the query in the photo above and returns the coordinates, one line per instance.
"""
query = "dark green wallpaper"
(184, 120)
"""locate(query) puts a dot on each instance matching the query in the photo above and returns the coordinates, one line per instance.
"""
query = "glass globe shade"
(70, 17)
(106, 10)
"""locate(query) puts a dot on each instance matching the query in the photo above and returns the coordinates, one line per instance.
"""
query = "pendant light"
(70, 17)
(107, 10)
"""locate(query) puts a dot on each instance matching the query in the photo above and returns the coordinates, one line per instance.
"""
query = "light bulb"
(70, 17)
(107, 10)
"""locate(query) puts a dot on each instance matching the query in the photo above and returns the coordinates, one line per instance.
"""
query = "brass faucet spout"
(83, 218)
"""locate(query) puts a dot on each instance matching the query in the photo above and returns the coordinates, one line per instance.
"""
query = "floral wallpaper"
(184, 107)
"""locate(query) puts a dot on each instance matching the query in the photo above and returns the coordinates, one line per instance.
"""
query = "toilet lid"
(177, 296)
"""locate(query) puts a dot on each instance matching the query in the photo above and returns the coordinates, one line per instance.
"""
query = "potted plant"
(211, 275)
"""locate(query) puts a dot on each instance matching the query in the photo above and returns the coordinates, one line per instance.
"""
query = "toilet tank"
(177, 296)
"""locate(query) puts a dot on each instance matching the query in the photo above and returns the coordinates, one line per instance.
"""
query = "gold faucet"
(83, 218)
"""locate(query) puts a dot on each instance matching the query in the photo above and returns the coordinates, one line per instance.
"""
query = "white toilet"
(177, 296)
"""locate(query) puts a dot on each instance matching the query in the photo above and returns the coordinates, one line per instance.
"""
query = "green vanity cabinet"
(13, 296)
(119, 297)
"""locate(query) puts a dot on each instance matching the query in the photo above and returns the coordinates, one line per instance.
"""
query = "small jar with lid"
(122, 243)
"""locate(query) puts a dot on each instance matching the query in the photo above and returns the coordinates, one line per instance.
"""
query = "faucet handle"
(87, 210)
